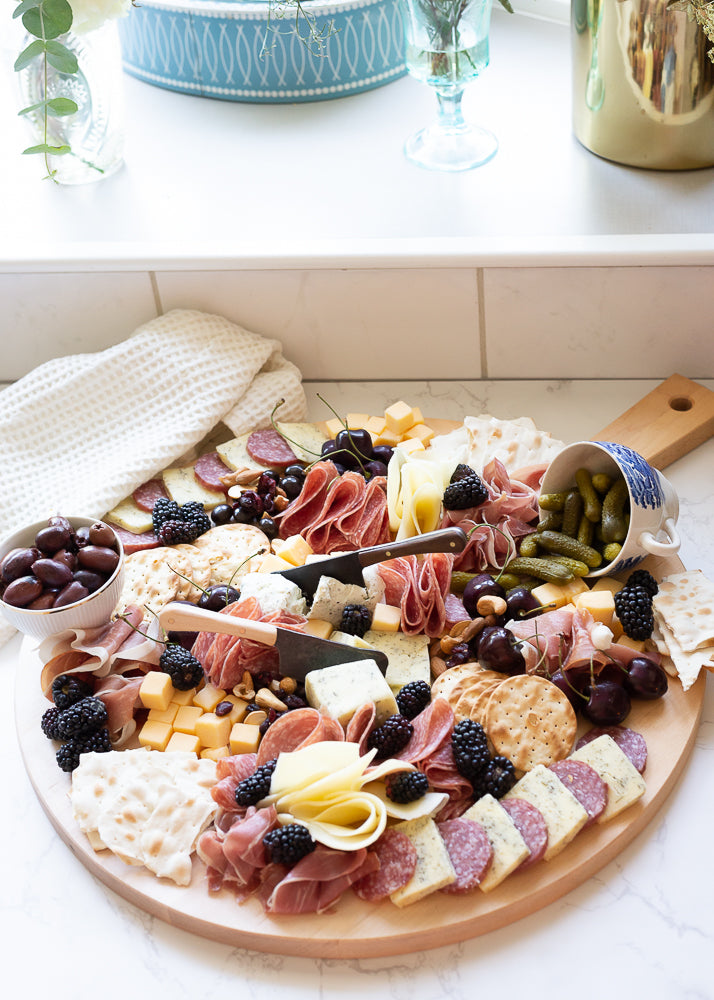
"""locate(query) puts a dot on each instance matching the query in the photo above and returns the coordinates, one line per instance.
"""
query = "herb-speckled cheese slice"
(509, 848)
(306, 440)
(182, 486)
(433, 868)
(624, 782)
(332, 596)
(129, 515)
(408, 656)
(338, 691)
(235, 454)
(564, 816)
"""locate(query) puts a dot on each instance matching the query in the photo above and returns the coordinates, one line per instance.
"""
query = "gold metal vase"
(643, 84)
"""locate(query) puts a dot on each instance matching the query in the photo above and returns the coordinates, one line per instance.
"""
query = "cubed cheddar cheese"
(625, 640)
(375, 426)
(155, 735)
(207, 698)
(186, 719)
(183, 743)
(418, 415)
(387, 437)
(237, 713)
(357, 421)
(411, 445)
(399, 417)
(215, 753)
(421, 431)
(156, 690)
(294, 550)
(184, 697)
(244, 738)
(386, 618)
(608, 583)
(166, 715)
(600, 604)
(270, 563)
(319, 628)
(213, 730)
(334, 426)
(553, 595)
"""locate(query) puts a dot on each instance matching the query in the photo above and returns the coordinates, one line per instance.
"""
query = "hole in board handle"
(681, 404)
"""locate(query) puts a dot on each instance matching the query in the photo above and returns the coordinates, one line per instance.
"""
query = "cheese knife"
(299, 653)
(347, 567)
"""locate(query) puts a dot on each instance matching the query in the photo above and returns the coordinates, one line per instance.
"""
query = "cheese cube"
(375, 426)
(293, 550)
(183, 697)
(215, 753)
(386, 618)
(237, 713)
(608, 583)
(244, 738)
(357, 421)
(410, 446)
(509, 847)
(564, 816)
(417, 414)
(155, 735)
(166, 715)
(408, 656)
(319, 628)
(183, 743)
(270, 563)
(182, 486)
(399, 417)
(421, 431)
(186, 719)
(213, 730)
(208, 697)
(347, 639)
(624, 782)
(156, 690)
(338, 691)
(638, 644)
(388, 437)
(433, 868)
(600, 604)
(334, 425)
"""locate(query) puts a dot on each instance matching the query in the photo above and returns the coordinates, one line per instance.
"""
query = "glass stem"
(450, 114)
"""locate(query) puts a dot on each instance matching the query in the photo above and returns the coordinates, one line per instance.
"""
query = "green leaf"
(44, 148)
(33, 50)
(506, 6)
(25, 5)
(59, 56)
(50, 20)
(60, 107)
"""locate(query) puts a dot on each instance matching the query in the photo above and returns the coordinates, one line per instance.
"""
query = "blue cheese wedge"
(564, 816)
(408, 656)
(509, 847)
(331, 597)
(273, 593)
(433, 868)
(625, 784)
(182, 486)
(338, 691)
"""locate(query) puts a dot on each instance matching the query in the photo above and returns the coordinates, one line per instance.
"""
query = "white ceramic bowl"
(654, 505)
(93, 610)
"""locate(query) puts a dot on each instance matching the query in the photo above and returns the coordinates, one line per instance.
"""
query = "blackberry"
(641, 578)
(82, 718)
(256, 786)
(461, 472)
(634, 609)
(464, 493)
(176, 532)
(164, 510)
(498, 777)
(470, 748)
(192, 512)
(48, 723)
(288, 844)
(68, 689)
(69, 753)
(356, 619)
(182, 667)
(391, 737)
(406, 786)
(413, 698)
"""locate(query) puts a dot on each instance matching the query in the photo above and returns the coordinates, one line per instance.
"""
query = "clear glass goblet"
(447, 47)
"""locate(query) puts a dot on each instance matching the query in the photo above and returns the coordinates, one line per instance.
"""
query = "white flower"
(90, 14)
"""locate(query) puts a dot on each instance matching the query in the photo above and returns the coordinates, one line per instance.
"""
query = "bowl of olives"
(60, 573)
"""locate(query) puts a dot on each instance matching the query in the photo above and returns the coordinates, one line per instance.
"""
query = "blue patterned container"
(216, 49)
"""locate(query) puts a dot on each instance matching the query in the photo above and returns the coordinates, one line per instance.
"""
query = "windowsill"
(210, 183)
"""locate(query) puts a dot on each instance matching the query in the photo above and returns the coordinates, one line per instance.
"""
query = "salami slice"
(268, 448)
(208, 471)
(397, 861)
(631, 743)
(146, 495)
(585, 784)
(135, 543)
(470, 852)
(530, 824)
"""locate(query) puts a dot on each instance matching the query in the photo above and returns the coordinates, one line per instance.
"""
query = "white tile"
(599, 322)
(347, 324)
(45, 316)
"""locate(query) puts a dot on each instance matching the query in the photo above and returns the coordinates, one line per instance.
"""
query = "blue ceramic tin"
(232, 51)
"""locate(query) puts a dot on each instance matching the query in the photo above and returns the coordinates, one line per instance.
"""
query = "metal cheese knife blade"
(299, 653)
(347, 568)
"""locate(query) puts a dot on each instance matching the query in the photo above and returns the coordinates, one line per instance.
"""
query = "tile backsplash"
(391, 323)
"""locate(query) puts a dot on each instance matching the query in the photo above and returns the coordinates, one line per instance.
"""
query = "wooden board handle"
(673, 419)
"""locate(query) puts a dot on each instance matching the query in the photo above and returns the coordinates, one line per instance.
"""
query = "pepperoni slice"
(470, 852)
(146, 495)
(268, 448)
(631, 743)
(585, 784)
(397, 862)
(135, 543)
(530, 824)
(208, 471)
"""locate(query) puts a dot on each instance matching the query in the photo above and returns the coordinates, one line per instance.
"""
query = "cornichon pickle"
(592, 504)
(509, 580)
(552, 501)
(564, 545)
(611, 551)
(602, 482)
(550, 520)
(614, 525)
(586, 529)
(576, 567)
(529, 546)
(544, 569)
(459, 580)
(572, 511)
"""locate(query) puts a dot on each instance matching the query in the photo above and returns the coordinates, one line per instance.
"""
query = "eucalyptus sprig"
(47, 20)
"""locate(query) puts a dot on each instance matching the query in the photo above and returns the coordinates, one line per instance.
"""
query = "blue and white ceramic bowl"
(218, 49)
(654, 505)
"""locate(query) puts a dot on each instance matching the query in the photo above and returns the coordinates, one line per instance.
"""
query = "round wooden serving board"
(357, 929)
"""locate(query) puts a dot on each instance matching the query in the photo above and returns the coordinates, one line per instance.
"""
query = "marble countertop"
(642, 926)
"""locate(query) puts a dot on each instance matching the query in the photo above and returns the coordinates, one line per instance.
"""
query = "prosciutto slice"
(318, 880)
(120, 695)
(550, 634)
(237, 856)
(230, 771)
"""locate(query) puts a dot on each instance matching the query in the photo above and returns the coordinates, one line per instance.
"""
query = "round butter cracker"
(529, 720)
